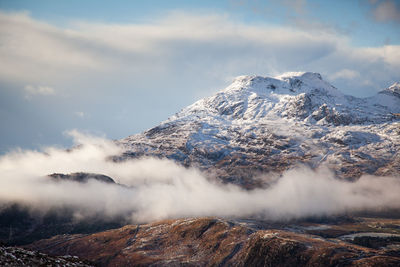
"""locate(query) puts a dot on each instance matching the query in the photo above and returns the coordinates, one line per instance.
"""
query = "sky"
(116, 68)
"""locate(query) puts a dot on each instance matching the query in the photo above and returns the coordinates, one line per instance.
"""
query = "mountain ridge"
(306, 87)
(222, 242)
(261, 125)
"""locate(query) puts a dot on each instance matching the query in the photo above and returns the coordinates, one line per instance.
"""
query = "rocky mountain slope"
(17, 257)
(260, 124)
(217, 242)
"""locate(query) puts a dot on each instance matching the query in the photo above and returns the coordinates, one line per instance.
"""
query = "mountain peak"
(289, 83)
(394, 89)
(299, 75)
(304, 76)
(302, 96)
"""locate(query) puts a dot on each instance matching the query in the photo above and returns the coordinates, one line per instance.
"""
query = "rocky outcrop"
(82, 177)
(17, 257)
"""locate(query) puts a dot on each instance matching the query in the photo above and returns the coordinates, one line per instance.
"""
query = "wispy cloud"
(80, 114)
(344, 74)
(39, 90)
(158, 189)
(195, 46)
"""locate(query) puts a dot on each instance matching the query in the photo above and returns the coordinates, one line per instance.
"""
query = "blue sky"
(116, 68)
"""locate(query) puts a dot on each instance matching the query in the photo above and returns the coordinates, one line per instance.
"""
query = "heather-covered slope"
(217, 242)
(259, 124)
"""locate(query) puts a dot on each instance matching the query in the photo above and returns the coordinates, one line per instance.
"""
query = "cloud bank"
(158, 189)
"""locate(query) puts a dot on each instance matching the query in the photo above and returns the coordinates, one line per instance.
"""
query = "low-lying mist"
(158, 189)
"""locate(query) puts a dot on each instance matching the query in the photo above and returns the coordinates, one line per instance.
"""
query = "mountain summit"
(394, 89)
(264, 124)
(300, 95)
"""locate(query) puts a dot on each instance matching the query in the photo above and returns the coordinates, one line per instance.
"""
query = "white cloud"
(80, 114)
(390, 54)
(344, 74)
(33, 51)
(39, 90)
(180, 45)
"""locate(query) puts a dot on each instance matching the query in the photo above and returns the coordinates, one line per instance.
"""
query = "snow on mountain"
(262, 124)
(394, 89)
(295, 95)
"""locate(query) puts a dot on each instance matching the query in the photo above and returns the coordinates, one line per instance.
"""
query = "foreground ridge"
(219, 242)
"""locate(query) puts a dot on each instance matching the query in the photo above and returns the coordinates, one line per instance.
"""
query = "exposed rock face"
(260, 124)
(17, 257)
(212, 242)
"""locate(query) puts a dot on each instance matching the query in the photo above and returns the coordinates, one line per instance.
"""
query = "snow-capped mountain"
(261, 124)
